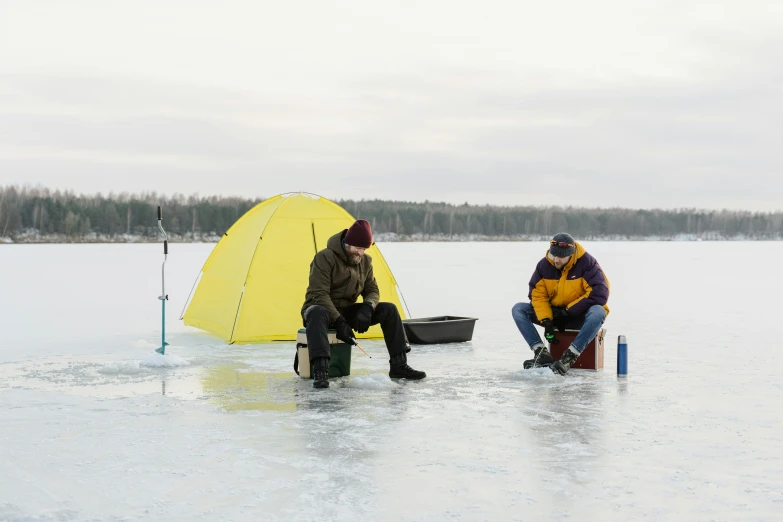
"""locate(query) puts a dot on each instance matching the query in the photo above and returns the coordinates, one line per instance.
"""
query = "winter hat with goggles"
(562, 245)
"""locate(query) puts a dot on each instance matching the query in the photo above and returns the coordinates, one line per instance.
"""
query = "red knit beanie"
(359, 235)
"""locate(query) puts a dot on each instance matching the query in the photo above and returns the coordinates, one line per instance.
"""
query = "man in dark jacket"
(339, 274)
(568, 290)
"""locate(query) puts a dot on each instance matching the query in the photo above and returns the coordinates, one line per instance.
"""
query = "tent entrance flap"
(315, 243)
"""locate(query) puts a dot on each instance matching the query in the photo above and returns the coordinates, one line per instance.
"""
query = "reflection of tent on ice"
(252, 287)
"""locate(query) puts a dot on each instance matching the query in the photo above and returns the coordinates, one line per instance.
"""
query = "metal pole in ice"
(622, 356)
(163, 297)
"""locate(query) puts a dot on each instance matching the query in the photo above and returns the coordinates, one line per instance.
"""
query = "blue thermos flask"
(622, 356)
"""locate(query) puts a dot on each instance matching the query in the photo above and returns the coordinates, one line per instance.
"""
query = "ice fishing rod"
(359, 347)
(163, 297)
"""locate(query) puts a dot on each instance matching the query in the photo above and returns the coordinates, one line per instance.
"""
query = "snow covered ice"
(88, 432)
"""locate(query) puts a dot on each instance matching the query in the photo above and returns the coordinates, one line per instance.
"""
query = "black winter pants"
(316, 320)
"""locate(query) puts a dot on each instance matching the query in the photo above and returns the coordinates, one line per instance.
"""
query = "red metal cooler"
(592, 357)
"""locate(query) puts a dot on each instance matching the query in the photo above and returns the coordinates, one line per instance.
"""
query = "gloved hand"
(364, 317)
(549, 331)
(560, 317)
(344, 332)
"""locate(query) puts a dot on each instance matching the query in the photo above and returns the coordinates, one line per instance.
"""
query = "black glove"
(549, 331)
(344, 332)
(560, 317)
(364, 317)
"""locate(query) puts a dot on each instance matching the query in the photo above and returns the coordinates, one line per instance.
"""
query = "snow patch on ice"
(536, 374)
(156, 360)
(13, 513)
(121, 368)
(375, 381)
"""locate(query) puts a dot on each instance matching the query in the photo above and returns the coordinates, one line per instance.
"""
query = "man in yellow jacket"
(568, 290)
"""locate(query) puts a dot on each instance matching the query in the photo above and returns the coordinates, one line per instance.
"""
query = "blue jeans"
(588, 325)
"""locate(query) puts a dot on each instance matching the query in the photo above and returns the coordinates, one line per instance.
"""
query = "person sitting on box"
(339, 274)
(568, 290)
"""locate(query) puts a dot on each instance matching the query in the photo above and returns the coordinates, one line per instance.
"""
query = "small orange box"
(592, 357)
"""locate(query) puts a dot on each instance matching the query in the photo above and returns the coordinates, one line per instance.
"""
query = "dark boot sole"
(395, 376)
(529, 364)
(321, 384)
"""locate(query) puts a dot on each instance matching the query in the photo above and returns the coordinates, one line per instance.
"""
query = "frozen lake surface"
(694, 433)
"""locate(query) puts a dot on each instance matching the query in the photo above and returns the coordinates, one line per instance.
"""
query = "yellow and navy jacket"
(580, 285)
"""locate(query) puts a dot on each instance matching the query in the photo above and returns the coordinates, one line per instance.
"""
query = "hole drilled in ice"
(375, 381)
(156, 360)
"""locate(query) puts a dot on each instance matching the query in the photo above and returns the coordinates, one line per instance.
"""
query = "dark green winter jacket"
(335, 284)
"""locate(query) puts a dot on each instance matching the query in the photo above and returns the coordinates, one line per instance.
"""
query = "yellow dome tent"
(253, 284)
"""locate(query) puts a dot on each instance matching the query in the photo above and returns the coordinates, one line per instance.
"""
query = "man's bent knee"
(520, 309)
(597, 311)
(387, 308)
(316, 312)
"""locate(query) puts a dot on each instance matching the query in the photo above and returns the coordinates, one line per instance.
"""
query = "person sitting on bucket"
(339, 274)
(568, 290)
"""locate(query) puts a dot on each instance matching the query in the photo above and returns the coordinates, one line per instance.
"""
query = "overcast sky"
(601, 103)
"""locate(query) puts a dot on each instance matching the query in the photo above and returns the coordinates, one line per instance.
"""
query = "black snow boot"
(321, 372)
(541, 357)
(566, 360)
(399, 369)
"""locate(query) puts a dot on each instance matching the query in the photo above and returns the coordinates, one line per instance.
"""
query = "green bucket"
(340, 361)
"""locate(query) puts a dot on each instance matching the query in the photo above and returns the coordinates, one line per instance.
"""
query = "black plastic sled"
(439, 330)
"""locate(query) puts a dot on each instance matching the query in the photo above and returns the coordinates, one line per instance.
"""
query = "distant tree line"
(42, 211)
(441, 219)
(30, 213)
